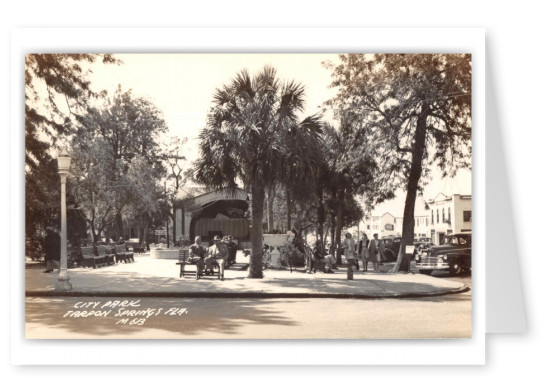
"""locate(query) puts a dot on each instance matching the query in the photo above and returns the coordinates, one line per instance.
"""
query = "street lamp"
(63, 163)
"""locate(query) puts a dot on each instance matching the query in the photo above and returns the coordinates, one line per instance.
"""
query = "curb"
(248, 295)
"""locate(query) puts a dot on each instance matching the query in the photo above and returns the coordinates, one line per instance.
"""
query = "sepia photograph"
(248, 196)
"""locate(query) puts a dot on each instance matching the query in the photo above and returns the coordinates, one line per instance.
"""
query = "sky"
(182, 86)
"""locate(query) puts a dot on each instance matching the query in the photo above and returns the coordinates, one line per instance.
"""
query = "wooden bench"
(90, 259)
(121, 255)
(136, 248)
(184, 259)
(102, 251)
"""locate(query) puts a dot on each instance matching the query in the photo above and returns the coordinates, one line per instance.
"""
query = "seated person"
(323, 262)
(232, 250)
(217, 254)
(197, 254)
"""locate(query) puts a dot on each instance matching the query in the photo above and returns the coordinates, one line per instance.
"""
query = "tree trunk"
(257, 190)
(119, 225)
(271, 196)
(146, 230)
(338, 233)
(173, 217)
(94, 235)
(321, 212)
(140, 233)
(408, 225)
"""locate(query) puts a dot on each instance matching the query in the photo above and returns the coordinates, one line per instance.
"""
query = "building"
(388, 225)
(218, 212)
(449, 214)
(435, 218)
(384, 225)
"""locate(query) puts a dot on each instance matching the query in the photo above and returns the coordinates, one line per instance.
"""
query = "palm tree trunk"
(288, 197)
(271, 196)
(408, 227)
(257, 190)
(321, 211)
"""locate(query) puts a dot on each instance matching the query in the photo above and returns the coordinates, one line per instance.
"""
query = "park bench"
(102, 251)
(135, 247)
(184, 259)
(122, 255)
(90, 259)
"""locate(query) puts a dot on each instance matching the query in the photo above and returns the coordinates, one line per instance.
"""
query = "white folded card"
(496, 305)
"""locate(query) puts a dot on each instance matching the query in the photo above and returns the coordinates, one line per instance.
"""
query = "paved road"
(203, 318)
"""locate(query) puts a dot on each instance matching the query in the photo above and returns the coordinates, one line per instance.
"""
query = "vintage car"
(454, 255)
(390, 247)
(422, 244)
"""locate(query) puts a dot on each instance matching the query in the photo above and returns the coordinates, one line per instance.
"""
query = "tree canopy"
(249, 136)
(57, 89)
(115, 161)
(410, 111)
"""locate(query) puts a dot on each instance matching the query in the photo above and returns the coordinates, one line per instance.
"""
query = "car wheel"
(455, 269)
(425, 272)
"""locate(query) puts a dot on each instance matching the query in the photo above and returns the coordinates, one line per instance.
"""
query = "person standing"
(52, 246)
(362, 251)
(373, 252)
(349, 248)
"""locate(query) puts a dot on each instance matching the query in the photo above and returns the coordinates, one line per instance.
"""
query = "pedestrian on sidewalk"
(373, 252)
(52, 245)
(362, 251)
(349, 248)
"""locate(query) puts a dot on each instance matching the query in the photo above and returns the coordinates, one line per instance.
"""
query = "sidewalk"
(147, 277)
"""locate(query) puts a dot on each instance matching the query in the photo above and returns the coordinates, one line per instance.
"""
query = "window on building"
(432, 217)
(367, 226)
(437, 216)
(449, 215)
(466, 215)
(443, 215)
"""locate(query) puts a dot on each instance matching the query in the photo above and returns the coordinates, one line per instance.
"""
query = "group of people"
(221, 253)
(367, 251)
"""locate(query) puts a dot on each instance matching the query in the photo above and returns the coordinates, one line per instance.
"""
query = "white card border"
(320, 40)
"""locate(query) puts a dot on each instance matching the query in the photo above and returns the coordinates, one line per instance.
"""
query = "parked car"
(422, 244)
(390, 247)
(454, 255)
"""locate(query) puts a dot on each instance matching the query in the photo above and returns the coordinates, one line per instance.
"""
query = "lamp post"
(167, 219)
(63, 163)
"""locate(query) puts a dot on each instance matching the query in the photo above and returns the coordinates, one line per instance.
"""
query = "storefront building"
(449, 214)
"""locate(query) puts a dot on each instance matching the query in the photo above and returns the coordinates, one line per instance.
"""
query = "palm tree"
(247, 137)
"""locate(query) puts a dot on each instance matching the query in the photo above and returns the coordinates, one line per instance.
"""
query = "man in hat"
(373, 252)
(216, 254)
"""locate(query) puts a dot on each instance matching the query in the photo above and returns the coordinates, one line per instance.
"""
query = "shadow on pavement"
(204, 315)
